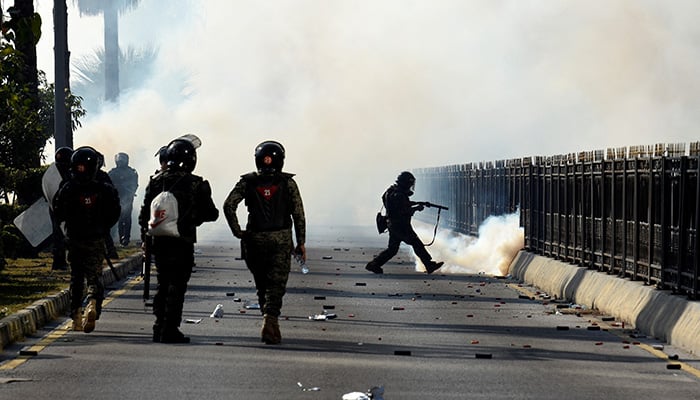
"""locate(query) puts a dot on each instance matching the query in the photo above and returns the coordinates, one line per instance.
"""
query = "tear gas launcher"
(429, 204)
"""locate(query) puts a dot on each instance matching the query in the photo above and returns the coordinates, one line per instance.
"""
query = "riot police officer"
(274, 205)
(89, 208)
(400, 210)
(174, 255)
(50, 188)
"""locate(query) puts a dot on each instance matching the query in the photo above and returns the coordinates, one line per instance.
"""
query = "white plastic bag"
(164, 215)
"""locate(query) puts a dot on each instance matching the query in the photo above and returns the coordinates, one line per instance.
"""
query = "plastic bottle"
(302, 263)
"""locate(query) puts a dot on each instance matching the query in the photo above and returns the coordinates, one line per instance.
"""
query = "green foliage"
(12, 242)
(22, 134)
(26, 124)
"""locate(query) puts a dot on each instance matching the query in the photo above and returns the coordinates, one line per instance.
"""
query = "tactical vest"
(88, 209)
(268, 202)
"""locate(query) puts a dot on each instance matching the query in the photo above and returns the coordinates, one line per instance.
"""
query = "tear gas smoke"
(500, 239)
(359, 91)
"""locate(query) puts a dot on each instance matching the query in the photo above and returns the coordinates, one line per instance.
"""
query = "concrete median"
(667, 317)
(26, 322)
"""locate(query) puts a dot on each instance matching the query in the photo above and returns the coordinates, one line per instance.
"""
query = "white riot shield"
(50, 183)
(35, 222)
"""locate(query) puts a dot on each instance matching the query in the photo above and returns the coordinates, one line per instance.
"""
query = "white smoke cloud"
(359, 91)
(500, 239)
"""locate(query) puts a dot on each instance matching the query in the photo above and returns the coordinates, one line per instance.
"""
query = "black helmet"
(100, 159)
(121, 160)
(181, 155)
(62, 159)
(162, 154)
(83, 164)
(269, 157)
(406, 180)
(62, 156)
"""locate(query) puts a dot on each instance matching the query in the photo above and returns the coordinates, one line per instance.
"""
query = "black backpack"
(381, 220)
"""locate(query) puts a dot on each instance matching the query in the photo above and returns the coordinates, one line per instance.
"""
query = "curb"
(667, 317)
(26, 322)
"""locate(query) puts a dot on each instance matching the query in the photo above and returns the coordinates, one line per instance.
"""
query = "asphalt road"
(419, 336)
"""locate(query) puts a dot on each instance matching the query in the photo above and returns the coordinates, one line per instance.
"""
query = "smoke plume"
(359, 91)
(500, 239)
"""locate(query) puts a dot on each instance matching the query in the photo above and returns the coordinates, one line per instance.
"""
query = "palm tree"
(110, 10)
(135, 66)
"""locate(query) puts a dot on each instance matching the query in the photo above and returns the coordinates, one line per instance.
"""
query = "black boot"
(173, 335)
(373, 267)
(157, 332)
(433, 266)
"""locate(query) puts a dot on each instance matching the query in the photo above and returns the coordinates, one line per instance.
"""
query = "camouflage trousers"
(86, 257)
(268, 257)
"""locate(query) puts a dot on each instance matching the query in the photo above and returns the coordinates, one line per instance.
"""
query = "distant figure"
(174, 254)
(400, 210)
(89, 208)
(126, 180)
(274, 204)
(62, 163)
(102, 176)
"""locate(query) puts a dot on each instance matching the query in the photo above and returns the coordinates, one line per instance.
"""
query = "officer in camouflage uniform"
(174, 256)
(89, 208)
(274, 204)
(126, 180)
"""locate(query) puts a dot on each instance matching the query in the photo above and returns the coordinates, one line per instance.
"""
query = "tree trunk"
(63, 135)
(111, 32)
(25, 42)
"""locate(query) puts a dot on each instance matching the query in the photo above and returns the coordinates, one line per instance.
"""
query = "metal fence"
(631, 211)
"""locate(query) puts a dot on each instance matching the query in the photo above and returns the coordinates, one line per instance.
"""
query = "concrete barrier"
(26, 322)
(671, 318)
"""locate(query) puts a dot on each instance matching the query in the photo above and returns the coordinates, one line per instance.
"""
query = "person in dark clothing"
(62, 165)
(400, 210)
(274, 204)
(174, 255)
(89, 208)
(102, 176)
(126, 181)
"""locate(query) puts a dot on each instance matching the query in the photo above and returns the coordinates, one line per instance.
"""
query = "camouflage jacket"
(273, 202)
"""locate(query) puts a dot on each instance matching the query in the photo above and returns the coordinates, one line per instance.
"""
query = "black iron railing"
(631, 211)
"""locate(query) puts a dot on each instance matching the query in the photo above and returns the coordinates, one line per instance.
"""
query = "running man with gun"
(400, 210)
